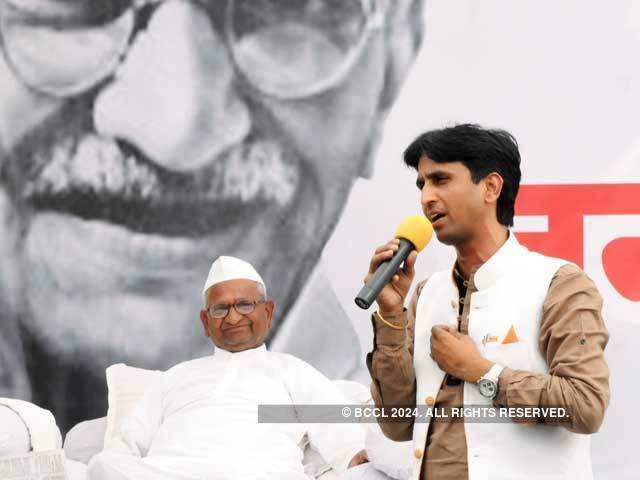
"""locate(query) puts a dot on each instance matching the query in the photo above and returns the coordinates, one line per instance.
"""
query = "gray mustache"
(257, 171)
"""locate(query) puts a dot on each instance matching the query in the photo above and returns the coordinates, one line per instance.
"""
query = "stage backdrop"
(140, 140)
(564, 78)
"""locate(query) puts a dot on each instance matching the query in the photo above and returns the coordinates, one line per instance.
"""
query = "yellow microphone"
(414, 233)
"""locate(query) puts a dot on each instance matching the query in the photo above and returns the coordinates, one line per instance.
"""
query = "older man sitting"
(202, 421)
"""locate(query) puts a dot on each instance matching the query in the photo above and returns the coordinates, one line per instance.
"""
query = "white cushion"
(85, 440)
(14, 435)
(44, 434)
(393, 458)
(126, 387)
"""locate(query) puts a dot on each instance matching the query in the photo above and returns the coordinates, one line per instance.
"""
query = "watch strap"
(494, 373)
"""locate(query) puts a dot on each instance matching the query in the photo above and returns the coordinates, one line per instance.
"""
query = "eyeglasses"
(243, 307)
(283, 48)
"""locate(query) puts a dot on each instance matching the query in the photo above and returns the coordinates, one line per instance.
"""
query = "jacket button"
(418, 453)
(430, 401)
(454, 304)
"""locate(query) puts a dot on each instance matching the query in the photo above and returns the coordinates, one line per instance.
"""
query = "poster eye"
(284, 47)
(90, 41)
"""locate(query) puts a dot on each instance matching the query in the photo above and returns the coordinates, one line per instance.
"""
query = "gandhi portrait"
(141, 139)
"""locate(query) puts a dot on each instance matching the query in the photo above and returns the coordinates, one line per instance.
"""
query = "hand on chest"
(502, 324)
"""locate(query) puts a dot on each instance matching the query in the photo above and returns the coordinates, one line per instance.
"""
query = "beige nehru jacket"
(572, 339)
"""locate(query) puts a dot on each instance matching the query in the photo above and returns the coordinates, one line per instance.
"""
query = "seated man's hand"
(358, 459)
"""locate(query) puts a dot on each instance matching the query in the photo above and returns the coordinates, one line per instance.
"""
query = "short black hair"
(481, 150)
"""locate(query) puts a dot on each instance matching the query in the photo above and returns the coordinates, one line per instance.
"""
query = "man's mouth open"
(437, 218)
(95, 178)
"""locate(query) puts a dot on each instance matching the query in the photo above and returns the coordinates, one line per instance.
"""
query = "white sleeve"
(137, 430)
(338, 443)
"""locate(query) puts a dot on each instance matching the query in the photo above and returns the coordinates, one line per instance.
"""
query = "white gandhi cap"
(231, 268)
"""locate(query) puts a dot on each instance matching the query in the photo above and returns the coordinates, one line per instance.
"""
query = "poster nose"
(173, 96)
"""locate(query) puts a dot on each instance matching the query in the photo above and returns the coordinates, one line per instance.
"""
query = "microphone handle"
(382, 275)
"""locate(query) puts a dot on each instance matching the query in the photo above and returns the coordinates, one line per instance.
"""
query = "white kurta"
(202, 421)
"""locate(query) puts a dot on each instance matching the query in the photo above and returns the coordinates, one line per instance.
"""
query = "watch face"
(488, 388)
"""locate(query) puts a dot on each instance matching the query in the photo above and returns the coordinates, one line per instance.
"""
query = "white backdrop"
(564, 78)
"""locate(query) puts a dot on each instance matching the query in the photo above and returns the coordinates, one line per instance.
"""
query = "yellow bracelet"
(395, 327)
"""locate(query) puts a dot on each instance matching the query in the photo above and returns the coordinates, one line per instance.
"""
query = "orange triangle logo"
(511, 336)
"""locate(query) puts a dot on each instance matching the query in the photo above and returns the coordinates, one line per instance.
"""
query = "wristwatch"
(488, 383)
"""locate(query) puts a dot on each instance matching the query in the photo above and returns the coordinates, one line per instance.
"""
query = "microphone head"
(417, 229)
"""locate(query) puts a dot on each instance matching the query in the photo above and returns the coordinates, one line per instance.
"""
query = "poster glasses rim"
(373, 12)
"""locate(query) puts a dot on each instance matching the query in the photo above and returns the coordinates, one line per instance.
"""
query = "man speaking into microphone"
(504, 327)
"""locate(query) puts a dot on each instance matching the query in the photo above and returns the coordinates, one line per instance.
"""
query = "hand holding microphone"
(386, 282)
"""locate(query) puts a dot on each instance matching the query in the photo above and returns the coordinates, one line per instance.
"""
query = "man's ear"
(493, 187)
(404, 28)
(403, 31)
(270, 307)
(204, 318)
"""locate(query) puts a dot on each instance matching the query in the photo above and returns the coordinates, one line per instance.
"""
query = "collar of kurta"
(500, 262)
(225, 354)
